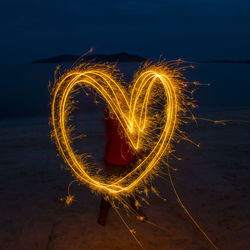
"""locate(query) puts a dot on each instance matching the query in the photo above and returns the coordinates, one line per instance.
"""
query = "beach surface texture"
(212, 181)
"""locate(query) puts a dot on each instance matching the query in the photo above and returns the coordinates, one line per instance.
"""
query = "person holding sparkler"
(119, 160)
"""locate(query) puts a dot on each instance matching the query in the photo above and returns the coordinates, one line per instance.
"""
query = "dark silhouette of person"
(119, 159)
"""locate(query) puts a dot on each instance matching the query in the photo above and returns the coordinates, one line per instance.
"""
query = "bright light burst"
(149, 111)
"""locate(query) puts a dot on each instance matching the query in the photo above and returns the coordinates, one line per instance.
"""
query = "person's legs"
(117, 170)
(104, 209)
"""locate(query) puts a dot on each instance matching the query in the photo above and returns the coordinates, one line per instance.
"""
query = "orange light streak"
(132, 107)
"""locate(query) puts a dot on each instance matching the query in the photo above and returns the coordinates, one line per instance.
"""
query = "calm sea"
(24, 88)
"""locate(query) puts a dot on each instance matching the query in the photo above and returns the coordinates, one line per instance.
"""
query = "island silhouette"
(120, 57)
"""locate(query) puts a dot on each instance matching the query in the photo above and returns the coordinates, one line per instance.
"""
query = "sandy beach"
(212, 181)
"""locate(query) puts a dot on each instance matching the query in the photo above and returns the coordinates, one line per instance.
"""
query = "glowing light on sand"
(133, 107)
(149, 111)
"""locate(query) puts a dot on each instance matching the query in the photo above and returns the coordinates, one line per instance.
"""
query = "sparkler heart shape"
(133, 109)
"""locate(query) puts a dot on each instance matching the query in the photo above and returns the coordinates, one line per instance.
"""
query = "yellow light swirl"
(132, 107)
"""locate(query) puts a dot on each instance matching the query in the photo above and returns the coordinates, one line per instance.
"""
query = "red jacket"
(118, 151)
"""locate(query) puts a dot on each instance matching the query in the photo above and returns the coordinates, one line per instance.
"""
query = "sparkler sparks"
(149, 111)
(135, 108)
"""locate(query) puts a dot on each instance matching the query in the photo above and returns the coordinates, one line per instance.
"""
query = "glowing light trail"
(132, 107)
(161, 84)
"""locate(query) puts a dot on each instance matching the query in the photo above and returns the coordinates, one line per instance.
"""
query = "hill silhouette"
(120, 57)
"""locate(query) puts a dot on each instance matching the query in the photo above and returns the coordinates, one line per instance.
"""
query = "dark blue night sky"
(190, 29)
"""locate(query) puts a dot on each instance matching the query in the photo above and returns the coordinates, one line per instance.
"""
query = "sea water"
(24, 87)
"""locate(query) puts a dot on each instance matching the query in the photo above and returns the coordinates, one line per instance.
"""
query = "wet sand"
(213, 182)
